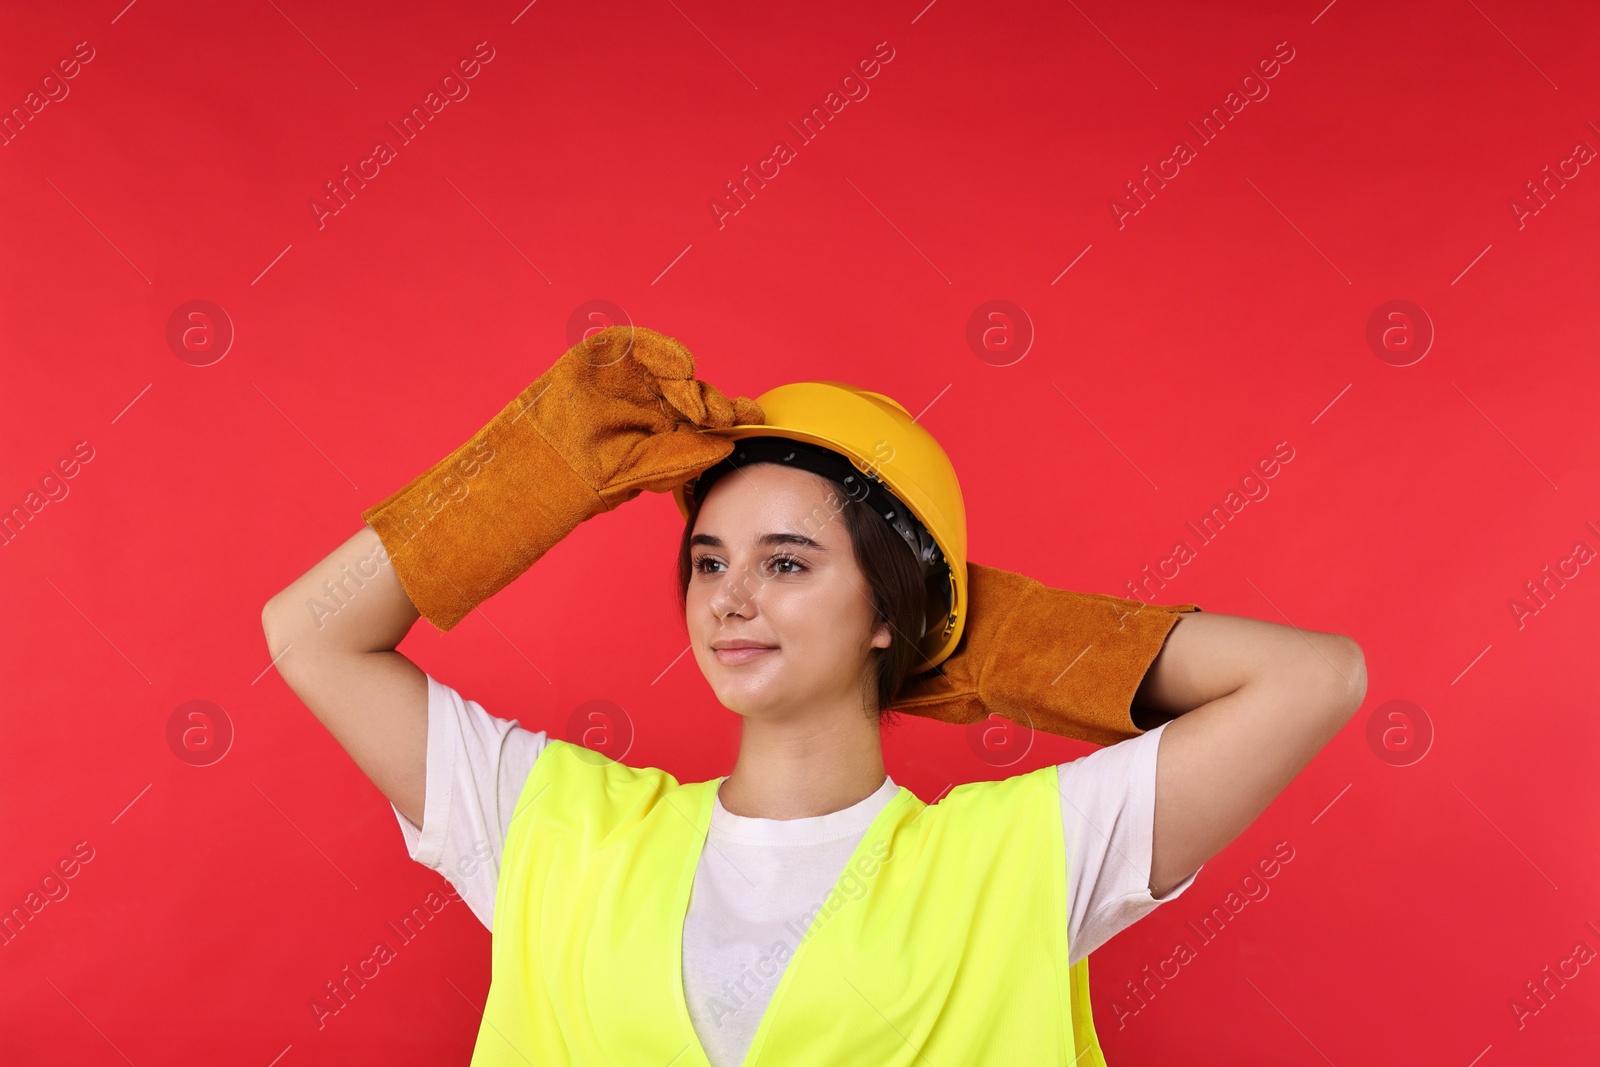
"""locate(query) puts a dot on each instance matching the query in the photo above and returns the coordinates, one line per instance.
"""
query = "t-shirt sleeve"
(477, 766)
(1108, 810)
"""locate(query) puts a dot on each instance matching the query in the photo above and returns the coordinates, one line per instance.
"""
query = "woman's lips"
(740, 655)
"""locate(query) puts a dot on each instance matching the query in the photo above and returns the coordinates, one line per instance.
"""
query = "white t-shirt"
(758, 879)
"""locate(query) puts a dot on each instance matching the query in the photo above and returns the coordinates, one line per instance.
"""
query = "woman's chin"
(741, 704)
(745, 703)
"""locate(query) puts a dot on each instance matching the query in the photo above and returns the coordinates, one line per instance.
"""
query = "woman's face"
(772, 562)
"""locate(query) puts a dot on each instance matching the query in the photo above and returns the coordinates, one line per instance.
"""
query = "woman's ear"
(882, 635)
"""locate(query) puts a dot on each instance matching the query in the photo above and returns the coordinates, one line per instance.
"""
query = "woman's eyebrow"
(712, 541)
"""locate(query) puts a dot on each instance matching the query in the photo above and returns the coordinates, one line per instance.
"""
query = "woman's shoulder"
(578, 768)
(1107, 772)
(999, 797)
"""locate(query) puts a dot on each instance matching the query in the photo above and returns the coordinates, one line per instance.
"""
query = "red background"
(1228, 315)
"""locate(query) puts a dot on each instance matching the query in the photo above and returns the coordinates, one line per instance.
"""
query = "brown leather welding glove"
(619, 413)
(1050, 659)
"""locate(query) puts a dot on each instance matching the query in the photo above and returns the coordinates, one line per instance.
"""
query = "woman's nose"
(735, 593)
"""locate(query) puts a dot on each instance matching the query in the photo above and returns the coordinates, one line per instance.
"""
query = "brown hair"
(900, 594)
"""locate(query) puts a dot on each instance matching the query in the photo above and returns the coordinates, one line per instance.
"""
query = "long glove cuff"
(1051, 659)
(469, 525)
(1076, 660)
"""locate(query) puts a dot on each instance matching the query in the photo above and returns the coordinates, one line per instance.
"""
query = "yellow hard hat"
(897, 467)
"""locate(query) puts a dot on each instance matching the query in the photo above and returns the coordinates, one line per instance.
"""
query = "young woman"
(802, 908)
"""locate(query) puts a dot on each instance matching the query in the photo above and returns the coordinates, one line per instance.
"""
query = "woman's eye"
(702, 564)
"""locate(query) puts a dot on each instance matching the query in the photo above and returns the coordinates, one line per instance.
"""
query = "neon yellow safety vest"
(944, 940)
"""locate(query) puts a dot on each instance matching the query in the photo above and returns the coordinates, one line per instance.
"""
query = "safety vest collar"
(702, 797)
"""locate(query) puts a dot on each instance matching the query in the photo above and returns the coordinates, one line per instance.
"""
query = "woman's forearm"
(1275, 695)
(351, 601)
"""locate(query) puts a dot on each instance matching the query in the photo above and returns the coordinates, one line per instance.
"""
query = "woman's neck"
(801, 768)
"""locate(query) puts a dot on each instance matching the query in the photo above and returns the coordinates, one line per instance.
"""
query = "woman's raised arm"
(332, 635)
(621, 404)
(1254, 701)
